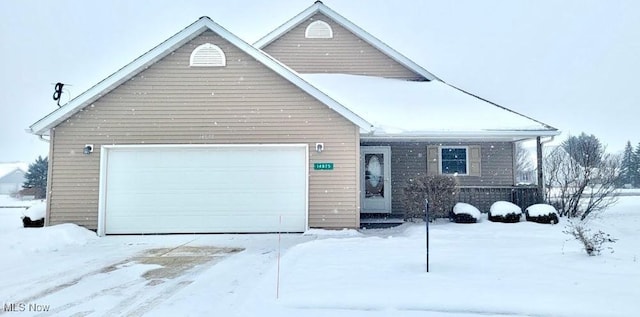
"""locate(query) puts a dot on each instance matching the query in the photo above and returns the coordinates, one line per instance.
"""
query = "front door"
(375, 179)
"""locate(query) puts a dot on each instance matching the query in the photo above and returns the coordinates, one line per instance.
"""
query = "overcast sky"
(571, 64)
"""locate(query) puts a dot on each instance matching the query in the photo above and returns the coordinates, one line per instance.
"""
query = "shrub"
(593, 242)
(541, 213)
(504, 211)
(465, 213)
(441, 192)
(28, 223)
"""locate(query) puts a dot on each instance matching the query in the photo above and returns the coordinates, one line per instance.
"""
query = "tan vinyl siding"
(344, 53)
(172, 103)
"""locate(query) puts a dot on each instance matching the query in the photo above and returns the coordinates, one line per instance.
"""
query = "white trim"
(160, 51)
(319, 7)
(102, 189)
(318, 24)
(213, 61)
(373, 149)
(306, 184)
(498, 135)
(104, 157)
(466, 159)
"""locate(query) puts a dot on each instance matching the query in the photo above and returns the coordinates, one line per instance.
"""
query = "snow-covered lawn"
(483, 269)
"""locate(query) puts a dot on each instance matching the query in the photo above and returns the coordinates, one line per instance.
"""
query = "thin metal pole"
(279, 248)
(426, 221)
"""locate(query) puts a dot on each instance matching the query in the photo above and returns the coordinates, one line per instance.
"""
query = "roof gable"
(9, 168)
(343, 53)
(319, 8)
(203, 24)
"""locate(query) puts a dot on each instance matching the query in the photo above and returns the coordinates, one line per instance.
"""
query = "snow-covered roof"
(425, 109)
(201, 25)
(319, 7)
(7, 168)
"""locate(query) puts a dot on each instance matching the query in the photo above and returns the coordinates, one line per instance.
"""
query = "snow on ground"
(503, 208)
(8, 201)
(11, 212)
(483, 269)
(332, 233)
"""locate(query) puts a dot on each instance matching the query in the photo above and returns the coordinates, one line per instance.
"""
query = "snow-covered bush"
(465, 213)
(541, 213)
(440, 190)
(593, 242)
(33, 217)
(504, 211)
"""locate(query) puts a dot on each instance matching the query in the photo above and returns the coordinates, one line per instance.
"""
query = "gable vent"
(207, 55)
(318, 30)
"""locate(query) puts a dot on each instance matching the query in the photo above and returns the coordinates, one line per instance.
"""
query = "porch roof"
(425, 109)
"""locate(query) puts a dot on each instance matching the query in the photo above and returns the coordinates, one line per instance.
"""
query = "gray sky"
(570, 64)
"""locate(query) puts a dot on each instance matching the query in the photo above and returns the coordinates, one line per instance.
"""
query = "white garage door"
(199, 189)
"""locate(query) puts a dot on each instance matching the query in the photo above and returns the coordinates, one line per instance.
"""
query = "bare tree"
(580, 177)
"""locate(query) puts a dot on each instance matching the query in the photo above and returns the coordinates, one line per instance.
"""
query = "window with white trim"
(318, 30)
(207, 55)
(473, 158)
(454, 160)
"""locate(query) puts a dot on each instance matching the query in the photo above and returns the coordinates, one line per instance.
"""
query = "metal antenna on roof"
(57, 93)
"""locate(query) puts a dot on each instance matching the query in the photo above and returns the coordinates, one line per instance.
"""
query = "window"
(453, 160)
(318, 30)
(207, 55)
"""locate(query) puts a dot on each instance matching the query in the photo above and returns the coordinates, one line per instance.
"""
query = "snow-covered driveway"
(73, 273)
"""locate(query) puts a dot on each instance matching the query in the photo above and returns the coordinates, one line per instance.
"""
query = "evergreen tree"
(36, 177)
(585, 149)
(627, 169)
(635, 167)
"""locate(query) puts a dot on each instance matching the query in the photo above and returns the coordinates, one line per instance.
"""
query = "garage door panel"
(222, 223)
(216, 189)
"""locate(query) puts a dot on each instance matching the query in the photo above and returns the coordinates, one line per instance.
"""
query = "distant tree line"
(630, 166)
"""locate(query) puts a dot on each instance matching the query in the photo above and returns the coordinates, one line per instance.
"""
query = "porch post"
(539, 169)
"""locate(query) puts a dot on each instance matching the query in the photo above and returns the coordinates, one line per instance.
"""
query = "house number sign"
(323, 166)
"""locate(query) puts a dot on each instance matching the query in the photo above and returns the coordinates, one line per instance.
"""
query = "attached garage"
(229, 146)
(203, 188)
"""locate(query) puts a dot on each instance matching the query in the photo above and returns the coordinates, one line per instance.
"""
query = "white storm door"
(375, 179)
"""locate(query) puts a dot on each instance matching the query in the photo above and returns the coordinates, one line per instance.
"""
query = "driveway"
(132, 275)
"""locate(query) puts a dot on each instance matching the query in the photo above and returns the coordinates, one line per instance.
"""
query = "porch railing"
(483, 196)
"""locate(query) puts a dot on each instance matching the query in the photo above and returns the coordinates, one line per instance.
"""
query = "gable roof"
(435, 110)
(8, 168)
(203, 24)
(319, 7)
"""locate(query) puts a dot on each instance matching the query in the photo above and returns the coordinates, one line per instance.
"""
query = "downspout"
(539, 144)
(41, 137)
(47, 192)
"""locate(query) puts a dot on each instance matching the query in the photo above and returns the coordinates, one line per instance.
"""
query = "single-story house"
(12, 177)
(318, 124)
